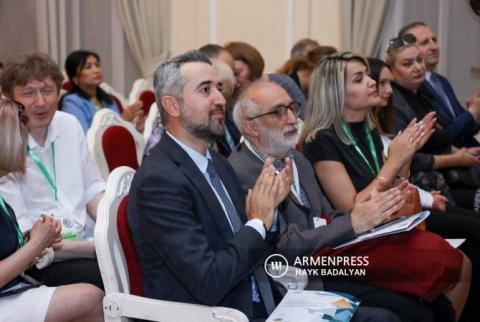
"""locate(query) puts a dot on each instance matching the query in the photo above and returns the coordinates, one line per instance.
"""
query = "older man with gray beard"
(267, 118)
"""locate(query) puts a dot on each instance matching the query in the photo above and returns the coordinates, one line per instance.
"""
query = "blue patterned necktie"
(232, 214)
(236, 224)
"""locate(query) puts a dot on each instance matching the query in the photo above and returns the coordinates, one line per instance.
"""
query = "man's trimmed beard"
(210, 130)
(274, 143)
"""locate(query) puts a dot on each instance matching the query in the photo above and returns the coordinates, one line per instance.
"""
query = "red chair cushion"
(119, 104)
(119, 148)
(135, 273)
(67, 86)
(147, 98)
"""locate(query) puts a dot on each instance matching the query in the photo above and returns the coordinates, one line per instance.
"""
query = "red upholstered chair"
(147, 97)
(66, 86)
(119, 148)
(135, 274)
(114, 142)
(121, 272)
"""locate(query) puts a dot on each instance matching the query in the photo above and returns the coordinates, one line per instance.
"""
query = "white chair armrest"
(118, 305)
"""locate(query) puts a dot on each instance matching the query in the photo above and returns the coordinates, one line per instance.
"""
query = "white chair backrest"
(110, 90)
(111, 259)
(138, 87)
(151, 122)
(102, 120)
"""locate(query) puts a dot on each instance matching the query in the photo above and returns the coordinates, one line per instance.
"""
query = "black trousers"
(80, 270)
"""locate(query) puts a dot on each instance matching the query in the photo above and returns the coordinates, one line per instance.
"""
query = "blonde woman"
(346, 153)
(21, 298)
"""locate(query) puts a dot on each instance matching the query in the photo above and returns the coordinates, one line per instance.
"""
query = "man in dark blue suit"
(465, 121)
(196, 242)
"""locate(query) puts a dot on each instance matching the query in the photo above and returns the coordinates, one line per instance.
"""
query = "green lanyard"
(21, 242)
(51, 182)
(373, 152)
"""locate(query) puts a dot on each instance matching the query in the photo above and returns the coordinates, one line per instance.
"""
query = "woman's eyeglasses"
(400, 42)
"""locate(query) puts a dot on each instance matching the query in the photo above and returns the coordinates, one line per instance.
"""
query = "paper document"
(397, 226)
(455, 242)
(314, 306)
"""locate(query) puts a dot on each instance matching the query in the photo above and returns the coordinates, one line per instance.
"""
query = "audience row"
(324, 150)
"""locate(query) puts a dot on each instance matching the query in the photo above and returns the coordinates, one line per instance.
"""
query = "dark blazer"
(409, 105)
(297, 235)
(186, 248)
(463, 124)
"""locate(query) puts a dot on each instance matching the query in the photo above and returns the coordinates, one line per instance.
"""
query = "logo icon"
(276, 266)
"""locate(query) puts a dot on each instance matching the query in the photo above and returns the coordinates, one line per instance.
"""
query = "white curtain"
(365, 22)
(146, 26)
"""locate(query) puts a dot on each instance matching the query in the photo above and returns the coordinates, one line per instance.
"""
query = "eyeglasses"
(400, 42)
(280, 111)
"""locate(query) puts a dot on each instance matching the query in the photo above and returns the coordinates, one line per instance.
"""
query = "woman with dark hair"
(21, 297)
(300, 68)
(438, 154)
(446, 219)
(85, 96)
(248, 64)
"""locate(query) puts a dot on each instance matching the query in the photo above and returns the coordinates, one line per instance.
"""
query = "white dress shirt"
(201, 161)
(77, 177)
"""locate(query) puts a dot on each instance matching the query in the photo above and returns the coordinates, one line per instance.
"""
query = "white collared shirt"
(201, 161)
(77, 177)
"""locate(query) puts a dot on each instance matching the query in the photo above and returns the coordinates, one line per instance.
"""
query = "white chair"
(119, 304)
(110, 90)
(104, 120)
(138, 87)
(151, 122)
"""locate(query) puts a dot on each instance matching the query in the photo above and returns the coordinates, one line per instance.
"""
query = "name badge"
(319, 222)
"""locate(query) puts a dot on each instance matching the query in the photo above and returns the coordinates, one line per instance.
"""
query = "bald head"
(267, 117)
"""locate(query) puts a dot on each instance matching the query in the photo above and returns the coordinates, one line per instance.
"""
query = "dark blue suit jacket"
(185, 245)
(464, 126)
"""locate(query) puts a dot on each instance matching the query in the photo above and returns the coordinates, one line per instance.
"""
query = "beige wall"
(272, 26)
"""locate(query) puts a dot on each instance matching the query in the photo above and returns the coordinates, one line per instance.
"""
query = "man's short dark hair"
(168, 79)
(406, 29)
(23, 68)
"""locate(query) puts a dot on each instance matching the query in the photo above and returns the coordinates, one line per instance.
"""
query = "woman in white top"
(21, 297)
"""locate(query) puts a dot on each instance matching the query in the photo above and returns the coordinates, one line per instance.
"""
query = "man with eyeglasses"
(465, 121)
(267, 118)
(61, 179)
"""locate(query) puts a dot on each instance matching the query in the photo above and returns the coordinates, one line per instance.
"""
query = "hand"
(439, 201)
(261, 198)
(132, 111)
(376, 208)
(415, 135)
(46, 231)
(473, 106)
(467, 157)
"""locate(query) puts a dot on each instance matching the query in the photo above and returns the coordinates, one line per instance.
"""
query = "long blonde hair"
(326, 97)
(13, 136)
